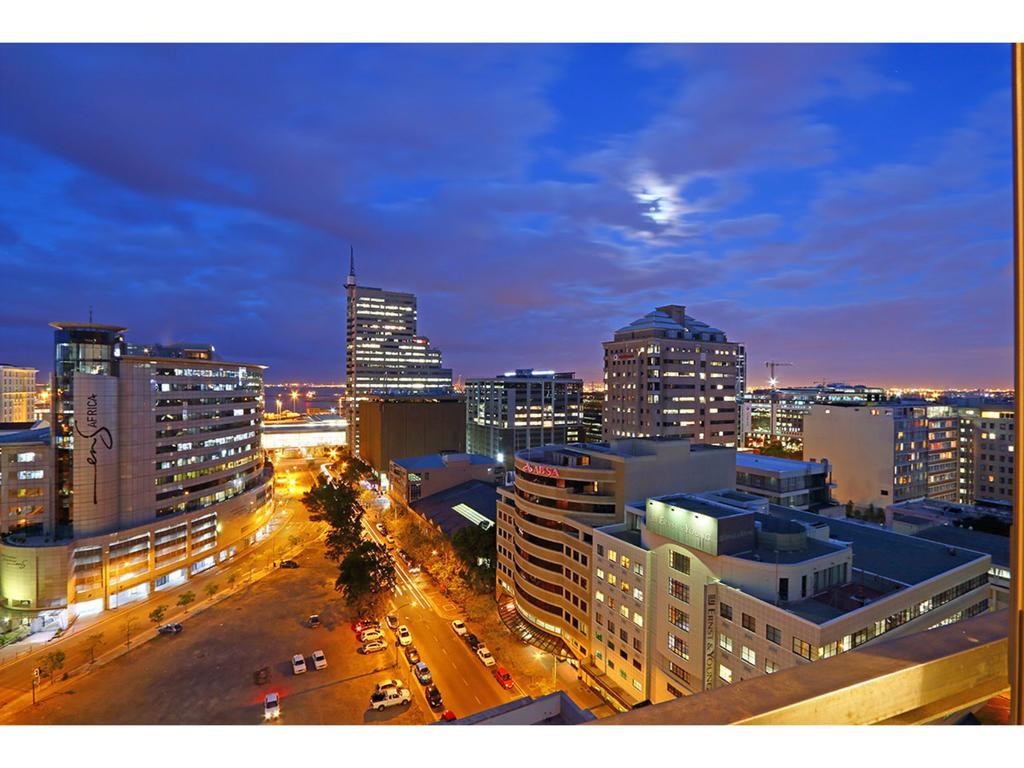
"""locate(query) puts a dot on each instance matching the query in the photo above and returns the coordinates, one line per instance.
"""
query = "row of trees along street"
(365, 571)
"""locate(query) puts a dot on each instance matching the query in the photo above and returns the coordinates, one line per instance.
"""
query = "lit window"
(749, 656)
(770, 667)
(725, 642)
(725, 673)
(599, 596)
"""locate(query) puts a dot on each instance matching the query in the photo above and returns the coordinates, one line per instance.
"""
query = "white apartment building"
(669, 375)
(697, 591)
(17, 394)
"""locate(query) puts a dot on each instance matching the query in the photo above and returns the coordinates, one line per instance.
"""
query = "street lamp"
(294, 396)
(279, 406)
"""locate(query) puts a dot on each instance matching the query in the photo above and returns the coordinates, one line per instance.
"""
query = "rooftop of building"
(907, 560)
(716, 504)
(776, 464)
(24, 432)
(443, 460)
(470, 503)
(628, 535)
(527, 373)
(64, 326)
(553, 709)
(670, 320)
(313, 421)
(997, 547)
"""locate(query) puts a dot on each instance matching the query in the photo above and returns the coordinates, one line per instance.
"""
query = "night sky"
(847, 209)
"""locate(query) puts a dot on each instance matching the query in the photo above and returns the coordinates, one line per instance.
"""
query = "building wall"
(546, 519)
(25, 488)
(17, 393)
(859, 446)
(396, 429)
(455, 470)
(986, 455)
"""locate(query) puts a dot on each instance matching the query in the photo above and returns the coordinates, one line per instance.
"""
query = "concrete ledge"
(915, 679)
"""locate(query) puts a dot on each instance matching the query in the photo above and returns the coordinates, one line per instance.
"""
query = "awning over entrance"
(528, 633)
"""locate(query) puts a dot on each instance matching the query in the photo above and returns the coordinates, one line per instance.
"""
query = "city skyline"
(849, 214)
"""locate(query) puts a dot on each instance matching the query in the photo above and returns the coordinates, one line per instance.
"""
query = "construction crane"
(771, 365)
(773, 427)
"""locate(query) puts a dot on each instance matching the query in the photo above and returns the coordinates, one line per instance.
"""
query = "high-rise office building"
(593, 415)
(17, 393)
(522, 409)
(154, 473)
(384, 356)
(985, 472)
(669, 375)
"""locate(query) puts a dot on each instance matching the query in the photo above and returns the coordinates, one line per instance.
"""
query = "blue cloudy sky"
(844, 208)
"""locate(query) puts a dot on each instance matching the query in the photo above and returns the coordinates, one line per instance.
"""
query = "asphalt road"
(205, 675)
(119, 626)
(466, 685)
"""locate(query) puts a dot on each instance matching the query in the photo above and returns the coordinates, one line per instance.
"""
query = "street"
(206, 674)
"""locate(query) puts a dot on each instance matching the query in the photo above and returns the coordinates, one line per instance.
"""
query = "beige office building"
(669, 375)
(155, 473)
(546, 520)
(17, 394)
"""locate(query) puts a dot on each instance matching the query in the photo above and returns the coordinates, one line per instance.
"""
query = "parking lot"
(205, 675)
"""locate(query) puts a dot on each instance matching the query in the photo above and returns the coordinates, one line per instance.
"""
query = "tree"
(477, 549)
(232, 578)
(211, 589)
(849, 508)
(92, 642)
(338, 506)
(365, 575)
(52, 663)
(185, 598)
(157, 614)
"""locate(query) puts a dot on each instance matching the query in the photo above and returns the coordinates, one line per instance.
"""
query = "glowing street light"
(294, 396)
(279, 406)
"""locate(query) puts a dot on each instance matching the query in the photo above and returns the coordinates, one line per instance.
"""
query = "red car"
(504, 677)
(447, 716)
(364, 624)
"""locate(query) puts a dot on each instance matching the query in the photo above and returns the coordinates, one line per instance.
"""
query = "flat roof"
(62, 325)
(437, 460)
(905, 559)
(701, 507)
(776, 464)
(998, 547)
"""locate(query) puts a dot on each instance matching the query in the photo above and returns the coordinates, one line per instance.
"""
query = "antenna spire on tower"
(350, 281)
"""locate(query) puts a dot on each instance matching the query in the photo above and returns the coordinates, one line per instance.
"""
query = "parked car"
(380, 528)
(392, 621)
(313, 620)
(169, 629)
(422, 672)
(298, 664)
(460, 627)
(485, 656)
(289, 564)
(404, 635)
(370, 634)
(319, 660)
(433, 697)
(390, 697)
(411, 654)
(271, 706)
(364, 624)
(389, 539)
(373, 646)
(471, 641)
(504, 677)
(447, 716)
(390, 682)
